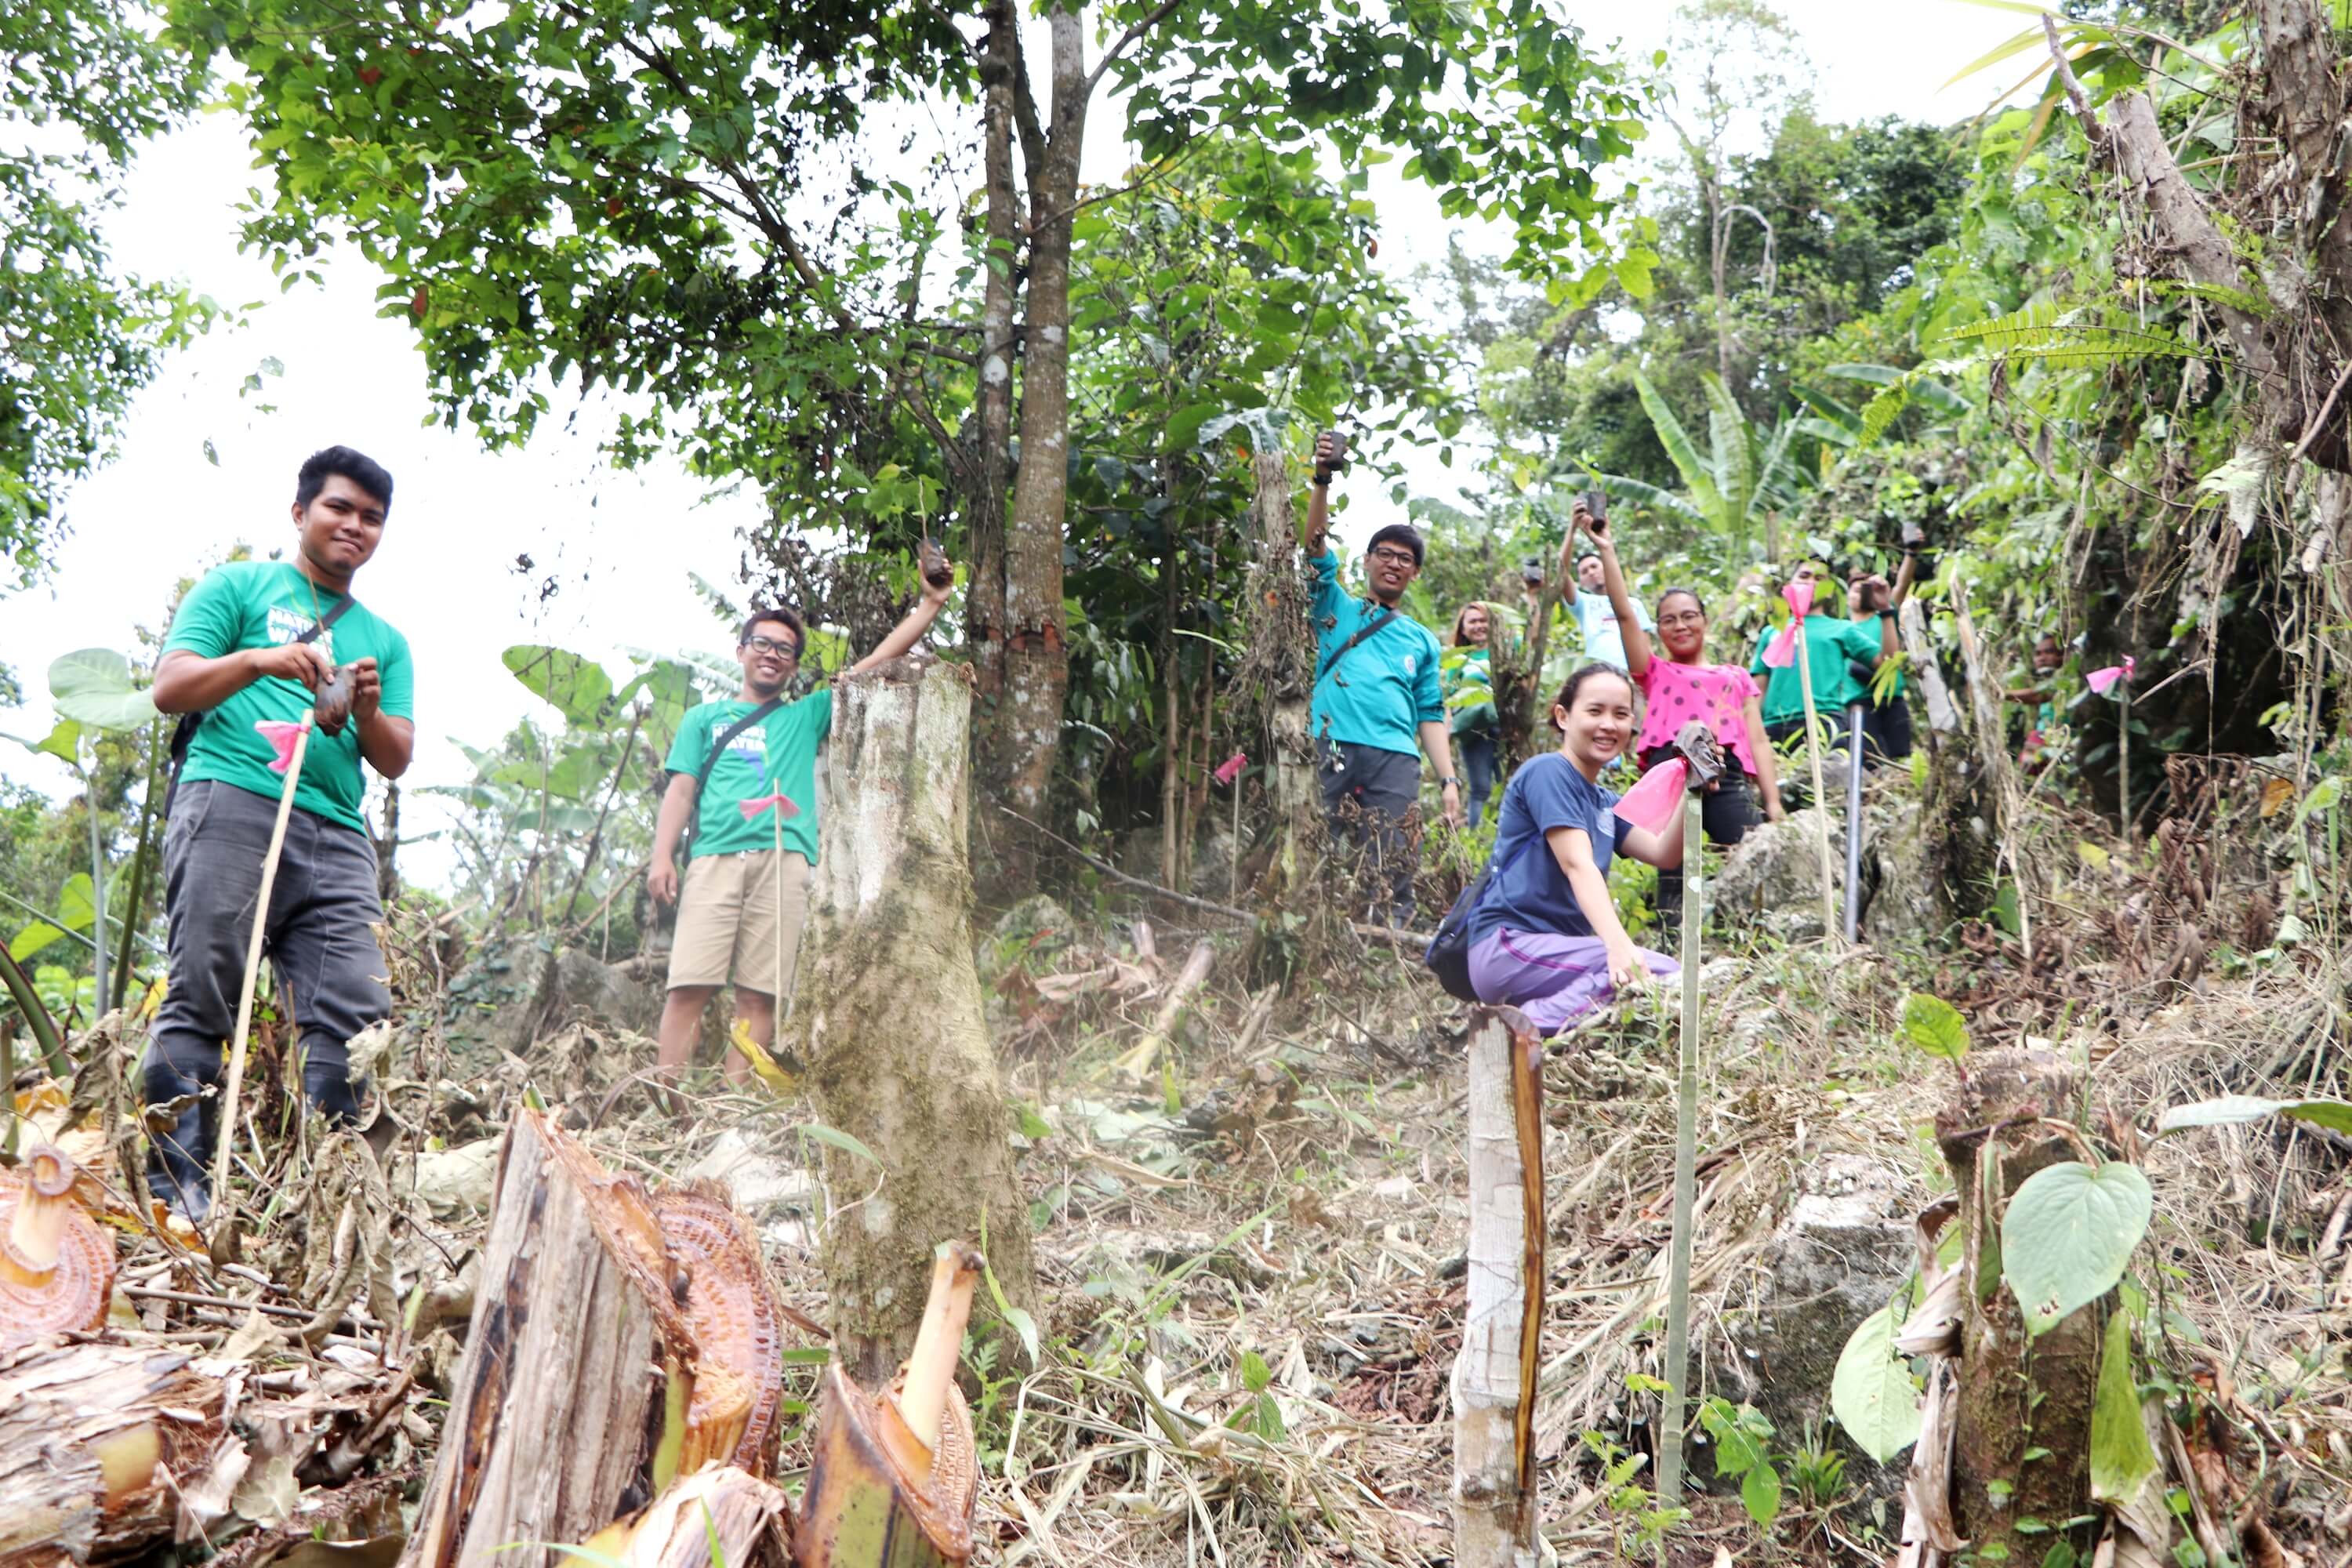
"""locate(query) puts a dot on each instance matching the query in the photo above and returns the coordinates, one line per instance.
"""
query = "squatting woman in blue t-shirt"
(1546, 938)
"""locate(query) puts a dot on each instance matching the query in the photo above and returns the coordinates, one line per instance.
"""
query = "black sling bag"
(702, 775)
(185, 730)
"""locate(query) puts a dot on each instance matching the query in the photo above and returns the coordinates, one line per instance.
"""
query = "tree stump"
(2014, 1399)
(95, 1443)
(1278, 672)
(618, 1339)
(1495, 1510)
(887, 1018)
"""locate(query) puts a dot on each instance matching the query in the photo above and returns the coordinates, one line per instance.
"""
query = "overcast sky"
(615, 548)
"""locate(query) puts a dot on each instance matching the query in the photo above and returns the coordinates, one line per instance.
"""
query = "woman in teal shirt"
(1469, 683)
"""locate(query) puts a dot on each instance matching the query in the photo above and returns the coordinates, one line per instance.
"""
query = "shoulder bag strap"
(185, 732)
(1374, 624)
(702, 775)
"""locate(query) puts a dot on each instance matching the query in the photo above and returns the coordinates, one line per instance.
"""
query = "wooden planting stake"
(1696, 744)
(1495, 1511)
(1813, 754)
(227, 1137)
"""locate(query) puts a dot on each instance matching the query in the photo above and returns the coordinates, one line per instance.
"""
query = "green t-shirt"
(267, 604)
(777, 753)
(1831, 644)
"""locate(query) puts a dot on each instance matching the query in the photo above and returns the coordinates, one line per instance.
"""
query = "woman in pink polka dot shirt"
(1683, 686)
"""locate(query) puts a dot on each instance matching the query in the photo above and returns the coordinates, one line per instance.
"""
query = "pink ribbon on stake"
(1781, 651)
(1230, 769)
(282, 734)
(1799, 595)
(780, 801)
(1652, 803)
(2104, 680)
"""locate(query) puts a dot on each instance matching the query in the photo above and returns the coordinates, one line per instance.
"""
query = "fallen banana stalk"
(895, 1477)
(1140, 1063)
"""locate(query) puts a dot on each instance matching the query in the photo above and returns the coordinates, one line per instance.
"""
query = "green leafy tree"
(87, 82)
(629, 193)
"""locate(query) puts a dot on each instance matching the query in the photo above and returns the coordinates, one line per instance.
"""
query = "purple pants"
(1554, 980)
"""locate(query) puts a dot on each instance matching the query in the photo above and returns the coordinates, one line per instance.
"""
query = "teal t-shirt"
(1386, 685)
(267, 604)
(1831, 644)
(777, 753)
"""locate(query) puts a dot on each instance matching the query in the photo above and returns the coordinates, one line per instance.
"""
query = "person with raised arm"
(1836, 647)
(1545, 937)
(1684, 686)
(1376, 694)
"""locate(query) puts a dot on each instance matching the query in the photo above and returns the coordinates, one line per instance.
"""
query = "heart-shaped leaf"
(2068, 1233)
(1873, 1392)
(92, 686)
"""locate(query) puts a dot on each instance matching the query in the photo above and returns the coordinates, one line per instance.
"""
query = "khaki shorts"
(727, 921)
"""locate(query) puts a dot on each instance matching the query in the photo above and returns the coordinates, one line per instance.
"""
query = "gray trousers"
(318, 936)
(1367, 794)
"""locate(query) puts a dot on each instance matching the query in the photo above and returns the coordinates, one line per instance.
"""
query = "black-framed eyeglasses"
(1394, 557)
(783, 645)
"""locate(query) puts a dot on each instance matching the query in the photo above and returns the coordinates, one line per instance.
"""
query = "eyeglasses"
(772, 645)
(1389, 557)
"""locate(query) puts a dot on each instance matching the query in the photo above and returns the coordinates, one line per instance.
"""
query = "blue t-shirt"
(1530, 891)
(1385, 686)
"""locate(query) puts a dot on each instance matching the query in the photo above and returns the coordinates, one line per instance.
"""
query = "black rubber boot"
(178, 1165)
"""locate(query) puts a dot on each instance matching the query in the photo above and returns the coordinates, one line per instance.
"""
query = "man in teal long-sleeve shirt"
(1376, 694)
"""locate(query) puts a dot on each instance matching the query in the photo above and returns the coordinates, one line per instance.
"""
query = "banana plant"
(1744, 476)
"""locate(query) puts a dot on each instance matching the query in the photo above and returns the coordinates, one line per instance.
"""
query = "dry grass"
(1251, 1311)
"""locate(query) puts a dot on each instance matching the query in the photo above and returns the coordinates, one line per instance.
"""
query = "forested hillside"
(1950, 1162)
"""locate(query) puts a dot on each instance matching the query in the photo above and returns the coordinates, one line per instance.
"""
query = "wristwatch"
(1449, 783)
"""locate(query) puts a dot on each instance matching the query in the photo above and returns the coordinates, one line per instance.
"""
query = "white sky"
(620, 545)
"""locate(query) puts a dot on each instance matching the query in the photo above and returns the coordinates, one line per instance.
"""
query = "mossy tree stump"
(888, 1018)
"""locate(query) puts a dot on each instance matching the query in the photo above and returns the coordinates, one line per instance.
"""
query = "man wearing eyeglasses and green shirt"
(734, 890)
(1376, 693)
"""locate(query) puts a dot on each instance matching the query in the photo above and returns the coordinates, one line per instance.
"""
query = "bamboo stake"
(2123, 756)
(228, 1139)
(1821, 800)
(776, 1003)
(1678, 1265)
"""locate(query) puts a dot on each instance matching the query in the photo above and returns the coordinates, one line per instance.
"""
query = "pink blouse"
(1677, 693)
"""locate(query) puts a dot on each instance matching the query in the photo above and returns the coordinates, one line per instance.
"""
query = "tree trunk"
(617, 1340)
(96, 1446)
(985, 612)
(888, 1016)
(2014, 1398)
(1279, 671)
(1495, 1511)
(1023, 728)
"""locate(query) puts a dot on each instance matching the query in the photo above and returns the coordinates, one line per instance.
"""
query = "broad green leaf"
(2121, 1457)
(835, 1137)
(2068, 1233)
(2230, 1109)
(577, 686)
(1735, 466)
(1026, 1327)
(1759, 1490)
(1705, 493)
(1255, 1375)
(1935, 1027)
(92, 686)
(76, 905)
(32, 939)
(64, 743)
(1872, 1391)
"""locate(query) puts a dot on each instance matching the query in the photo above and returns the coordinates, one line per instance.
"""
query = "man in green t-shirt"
(739, 889)
(236, 659)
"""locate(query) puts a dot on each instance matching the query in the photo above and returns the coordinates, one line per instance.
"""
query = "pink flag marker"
(1781, 651)
(1652, 802)
(1230, 769)
(282, 734)
(1800, 596)
(783, 803)
(2104, 680)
